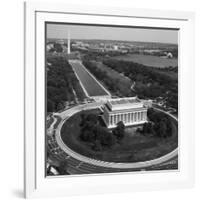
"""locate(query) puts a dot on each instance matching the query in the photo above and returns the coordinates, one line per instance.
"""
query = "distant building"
(115, 47)
(131, 111)
(169, 55)
(94, 48)
(61, 42)
(50, 46)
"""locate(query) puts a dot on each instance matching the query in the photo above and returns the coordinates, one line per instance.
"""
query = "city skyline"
(85, 32)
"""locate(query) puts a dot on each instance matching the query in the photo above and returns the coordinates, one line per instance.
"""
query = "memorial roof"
(124, 101)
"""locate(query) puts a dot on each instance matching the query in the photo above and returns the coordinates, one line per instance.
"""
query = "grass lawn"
(148, 60)
(133, 148)
(123, 83)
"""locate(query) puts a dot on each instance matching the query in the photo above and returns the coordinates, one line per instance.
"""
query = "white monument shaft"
(68, 43)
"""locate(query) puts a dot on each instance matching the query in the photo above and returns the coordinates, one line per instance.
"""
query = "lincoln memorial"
(131, 111)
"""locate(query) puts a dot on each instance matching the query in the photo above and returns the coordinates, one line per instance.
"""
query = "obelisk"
(68, 43)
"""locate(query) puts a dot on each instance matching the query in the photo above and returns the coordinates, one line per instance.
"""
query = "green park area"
(127, 78)
(86, 134)
(62, 84)
(149, 60)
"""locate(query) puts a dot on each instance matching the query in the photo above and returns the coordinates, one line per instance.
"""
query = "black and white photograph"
(111, 99)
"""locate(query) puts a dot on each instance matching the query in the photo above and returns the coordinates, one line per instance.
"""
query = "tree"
(148, 129)
(86, 135)
(104, 136)
(62, 169)
(50, 105)
(97, 146)
(160, 124)
(92, 118)
(83, 119)
(159, 80)
(169, 128)
(119, 130)
(161, 129)
(61, 81)
(94, 133)
(60, 106)
(58, 47)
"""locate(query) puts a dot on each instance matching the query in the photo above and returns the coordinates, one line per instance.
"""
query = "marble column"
(109, 119)
(117, 118)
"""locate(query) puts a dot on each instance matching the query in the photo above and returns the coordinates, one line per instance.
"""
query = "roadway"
(82, 164)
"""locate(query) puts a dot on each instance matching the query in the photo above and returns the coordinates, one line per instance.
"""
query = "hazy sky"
(112, 33)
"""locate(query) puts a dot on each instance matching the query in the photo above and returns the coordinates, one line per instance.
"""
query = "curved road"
(83, 159)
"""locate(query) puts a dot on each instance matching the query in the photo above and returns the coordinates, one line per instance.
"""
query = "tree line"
(61, 84)
(98, 136)
(112, 84)
(150, 83)
(159, 125)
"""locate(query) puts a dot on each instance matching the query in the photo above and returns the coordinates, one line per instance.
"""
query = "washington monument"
(68, 42)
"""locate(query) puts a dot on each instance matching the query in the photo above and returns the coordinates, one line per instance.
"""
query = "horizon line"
(116, 40)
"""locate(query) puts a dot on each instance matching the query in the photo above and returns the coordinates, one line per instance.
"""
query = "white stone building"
(131, 111)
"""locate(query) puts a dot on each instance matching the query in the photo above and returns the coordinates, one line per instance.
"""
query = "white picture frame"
(35, 182)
